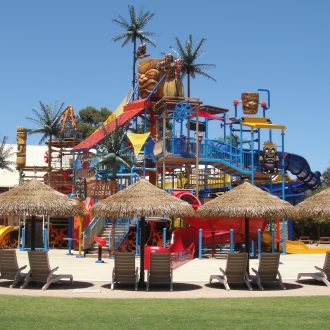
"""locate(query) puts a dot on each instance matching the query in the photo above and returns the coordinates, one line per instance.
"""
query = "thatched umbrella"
(34, 198)
(317, 206)
(145, 200)
(248, 201)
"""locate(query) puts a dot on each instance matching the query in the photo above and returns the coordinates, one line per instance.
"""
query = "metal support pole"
(273, 240)
(231, 240)
(252, 156)
(283, 195)
(137, 237)
(259, 243)
(164, 237)
(241, 146)
(70, 227)
(99, 255)
(200, 242)
(252, 249)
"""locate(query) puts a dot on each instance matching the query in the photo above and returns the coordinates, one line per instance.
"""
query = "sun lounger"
(160, 271)
(323, 274)
(305, 239)
(124, 270)
(235, 271)
(268, 270)
(9, 269)
(41, 272)
(324, 240)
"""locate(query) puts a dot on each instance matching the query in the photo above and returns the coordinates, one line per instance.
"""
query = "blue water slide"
(299, 167)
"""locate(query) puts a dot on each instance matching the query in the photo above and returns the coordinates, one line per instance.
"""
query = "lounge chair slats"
(9, 269)
(160, 271)
(124, 270)
(268, 270)
(324, 273)
(41, 272)
(235, 271)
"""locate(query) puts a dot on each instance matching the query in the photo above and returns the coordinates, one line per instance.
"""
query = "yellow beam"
(260, 123)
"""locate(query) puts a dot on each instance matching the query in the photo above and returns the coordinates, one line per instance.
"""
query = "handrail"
(121, 231)
(94, 228)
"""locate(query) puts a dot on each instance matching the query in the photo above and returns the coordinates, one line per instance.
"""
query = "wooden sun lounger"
(235, 271)
(323, 274)
(305, 239)
(160, 271)
(124, 270)
(9, 269)
(268, 270)
(324, 240)
(41, 272)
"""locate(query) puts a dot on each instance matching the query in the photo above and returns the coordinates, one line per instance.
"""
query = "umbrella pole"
(142, 243)
(247, 243)
(213, 243)
(33, 233)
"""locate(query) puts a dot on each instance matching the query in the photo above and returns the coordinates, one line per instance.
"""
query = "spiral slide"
(4, 230)
(299, 166)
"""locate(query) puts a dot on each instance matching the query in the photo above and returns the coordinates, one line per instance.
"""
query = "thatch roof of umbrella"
(247, 200)
(35, 198)
(141, 199)
(315, 206)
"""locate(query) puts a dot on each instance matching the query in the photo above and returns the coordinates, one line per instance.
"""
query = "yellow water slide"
(4, 230)
(296, 247)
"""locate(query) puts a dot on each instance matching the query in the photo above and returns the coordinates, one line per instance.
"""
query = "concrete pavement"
(190, 280)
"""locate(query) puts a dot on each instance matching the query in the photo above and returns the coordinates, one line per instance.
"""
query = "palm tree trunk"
(188, 84)
(134, 64)
(49, 157)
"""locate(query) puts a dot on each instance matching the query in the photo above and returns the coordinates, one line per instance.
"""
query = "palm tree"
(189, 55)
(5, 153)
(112, 154)
(48, 120)
(134, 31)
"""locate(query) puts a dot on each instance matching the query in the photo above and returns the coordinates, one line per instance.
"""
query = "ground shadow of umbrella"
(141, 199)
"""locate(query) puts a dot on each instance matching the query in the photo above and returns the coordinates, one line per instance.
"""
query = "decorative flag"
(138, 141)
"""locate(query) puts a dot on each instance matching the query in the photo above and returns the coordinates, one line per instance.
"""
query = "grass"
(237, 313)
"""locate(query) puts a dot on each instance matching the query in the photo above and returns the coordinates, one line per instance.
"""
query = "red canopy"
(204, 114)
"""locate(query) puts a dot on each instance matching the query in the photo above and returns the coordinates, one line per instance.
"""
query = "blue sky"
(62, 51)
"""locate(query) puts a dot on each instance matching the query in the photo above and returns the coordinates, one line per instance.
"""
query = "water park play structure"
(171, 141)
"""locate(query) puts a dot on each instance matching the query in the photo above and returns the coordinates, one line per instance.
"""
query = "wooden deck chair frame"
(235, 271)
(268, 270)
(41, 272)
(124, 270)
(323, 274)
(160, 269)
(9, 269)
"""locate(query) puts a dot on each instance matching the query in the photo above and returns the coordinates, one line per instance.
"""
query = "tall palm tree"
(5, 153)
(189, 55)
(48, 120)
(134, 27)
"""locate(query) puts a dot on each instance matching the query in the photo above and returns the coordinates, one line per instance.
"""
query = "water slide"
(299, 167)
(4, 230)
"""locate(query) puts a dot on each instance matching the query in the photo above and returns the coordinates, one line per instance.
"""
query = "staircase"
(121, 231)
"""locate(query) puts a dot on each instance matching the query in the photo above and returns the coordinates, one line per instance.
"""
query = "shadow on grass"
(267, 286)
(156, 288)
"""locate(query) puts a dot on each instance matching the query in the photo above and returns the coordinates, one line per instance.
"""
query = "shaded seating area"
(41, 272)
(235, 272)
(124, 270)
(9, 269)
(323, 274)
(160, 271)
(268, 270)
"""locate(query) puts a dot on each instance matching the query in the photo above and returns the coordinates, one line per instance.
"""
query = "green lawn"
(239, 313)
